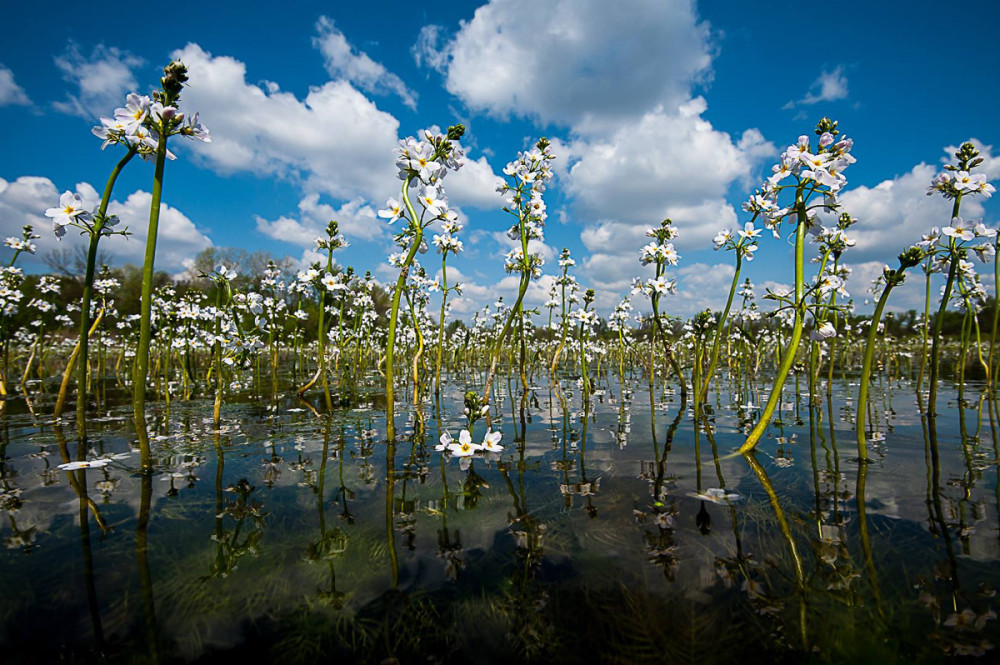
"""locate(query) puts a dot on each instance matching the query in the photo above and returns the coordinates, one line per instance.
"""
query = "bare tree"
(72, 261)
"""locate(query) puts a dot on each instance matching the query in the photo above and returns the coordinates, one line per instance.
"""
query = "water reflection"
(615, 518)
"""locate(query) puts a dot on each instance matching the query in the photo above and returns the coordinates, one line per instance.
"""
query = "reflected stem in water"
(78, 480)
(866, 545)
(786, 531)
(141, 543)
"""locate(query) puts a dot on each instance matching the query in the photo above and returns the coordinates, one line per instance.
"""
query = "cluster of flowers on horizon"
(139, 123)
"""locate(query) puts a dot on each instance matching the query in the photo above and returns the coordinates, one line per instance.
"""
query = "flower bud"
(174, 78)
(910, 257)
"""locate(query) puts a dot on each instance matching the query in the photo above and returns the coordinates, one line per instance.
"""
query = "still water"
(613, 532)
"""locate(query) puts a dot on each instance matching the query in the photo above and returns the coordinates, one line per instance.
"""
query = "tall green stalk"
(996, 315)
(88, 287)
(443, 149)
(524, 189)
(164, 120)
(390, 386)
(141, 367)
(793, 343)
(938, 322)
(925, 328)
(217, 354)
(440, 344)
(713, 359)
(892, 278)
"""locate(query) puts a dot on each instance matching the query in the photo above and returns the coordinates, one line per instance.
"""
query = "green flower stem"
(324, 379)
(515, 311)
(562, 325)
(88, 288)
(963, 351)
(390, 388)
(819, 318)
(583, 361)
(713, 359)
(418, 356)
(996, 319)
(793, 343)
(698, 396)
(658, 331)
(970, 308)
(141, 368)
(217, 357)
(658, 328)
(340, 334)
(621, 360)
(833, 351)
(866, 369)
(936, 338)
(440, 345)
(926, 326)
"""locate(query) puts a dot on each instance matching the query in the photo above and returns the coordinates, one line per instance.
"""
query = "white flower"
(393, 211)
(749, 232)
(135, 111)
(491, 443)
(91, 464)
(70, 210)
(445, 442)
(431, 199)
(662, 285)
(959, 229)
(722, 238)
(331, 283)
(465, 447)
(825, 331)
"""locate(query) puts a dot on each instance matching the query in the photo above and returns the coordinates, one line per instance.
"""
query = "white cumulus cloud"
(335, 141)
(893, 214)
(573, 62)
(666, 165)
(10, 92)
(343, 61)
(357, 219)
(100, 81)
(829, 86)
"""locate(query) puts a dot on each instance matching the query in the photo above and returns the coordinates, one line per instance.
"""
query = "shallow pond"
(612, 533)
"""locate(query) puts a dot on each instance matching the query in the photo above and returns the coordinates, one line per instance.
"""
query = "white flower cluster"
(528, 175)
(661, 253)
(11, 279)
(952, 183)
(427, 160)
(466, 450)
(818, 168)
(71, 212)
(745, 245)
(21, 244)
(139, 124)
(618, 321)
(940, 242)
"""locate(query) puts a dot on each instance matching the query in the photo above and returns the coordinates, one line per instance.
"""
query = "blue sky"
(656, 109)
